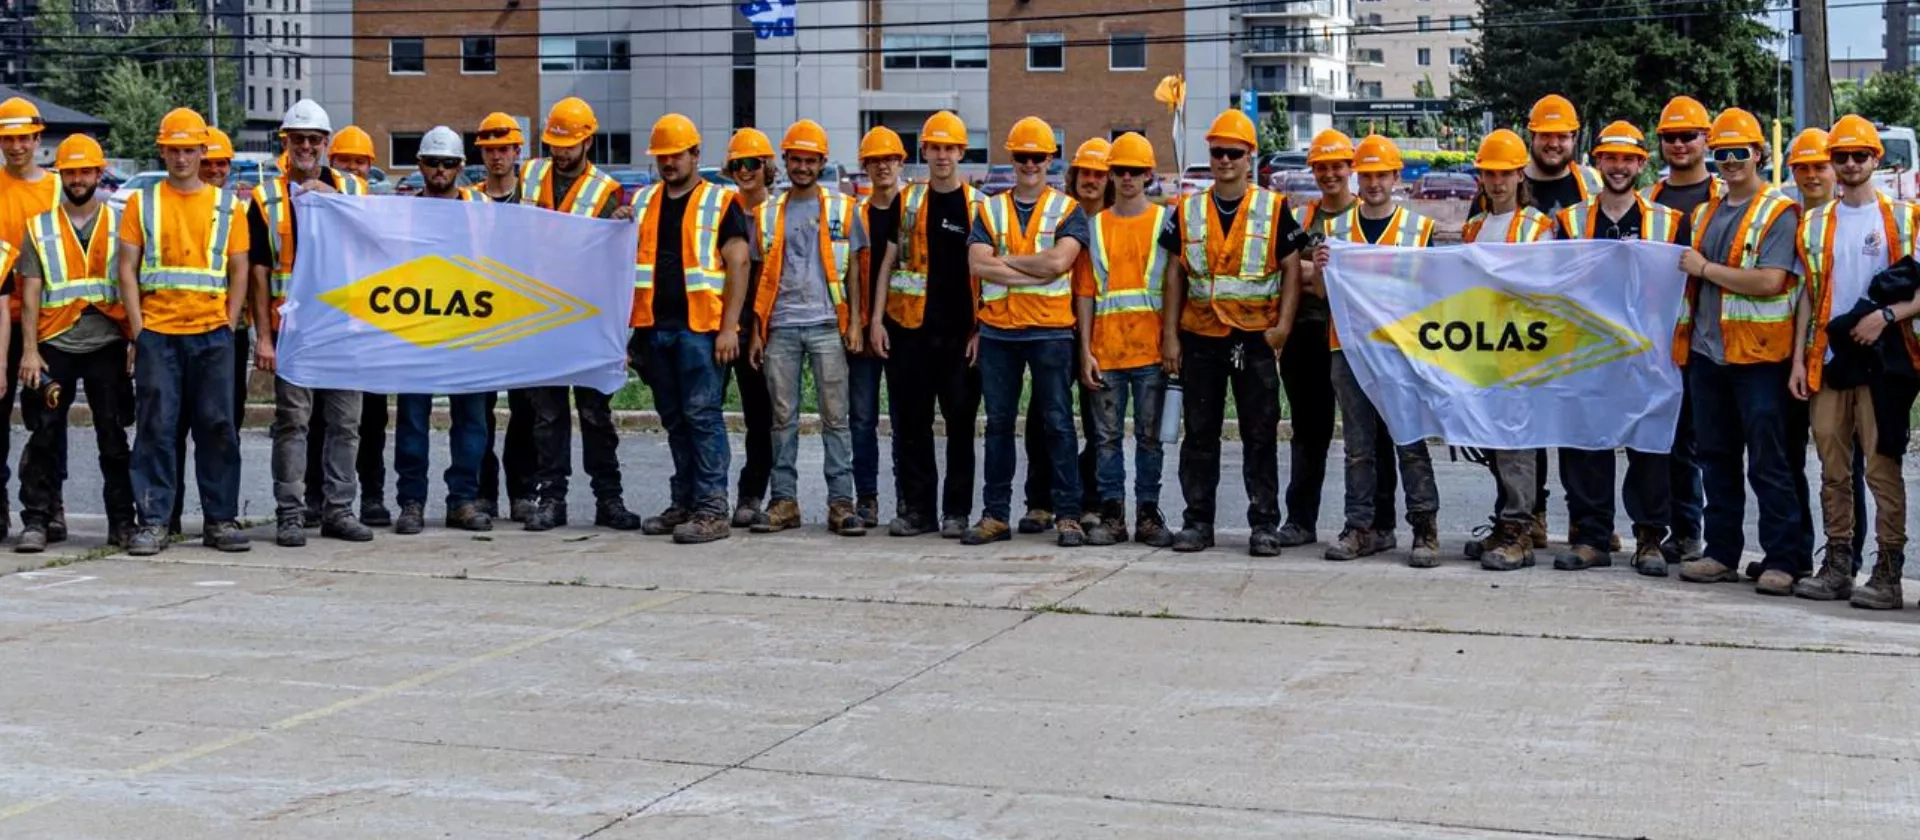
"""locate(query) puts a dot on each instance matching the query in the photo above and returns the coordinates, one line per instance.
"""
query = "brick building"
(1088, 77)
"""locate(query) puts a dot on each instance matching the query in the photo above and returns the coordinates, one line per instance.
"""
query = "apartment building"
(1902, 38)
(1406, 49)
(274, 66)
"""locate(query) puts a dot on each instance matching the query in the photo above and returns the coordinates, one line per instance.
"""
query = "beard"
(78, 196)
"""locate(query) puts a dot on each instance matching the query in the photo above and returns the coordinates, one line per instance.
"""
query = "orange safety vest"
(1658, 223)
(907, 287)
(701, 266)
(1816, 252)
(42, 195)
(589, 193)
(73, 278)
(1126, 305)
(1527, 225)
(275, 201)
(1233, 279)
(863, 278)
(1405, 229)
(1048, 305)
(1752, 329)
(836, 243)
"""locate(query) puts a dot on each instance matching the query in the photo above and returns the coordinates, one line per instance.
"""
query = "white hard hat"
(306, 115)
(442, 142)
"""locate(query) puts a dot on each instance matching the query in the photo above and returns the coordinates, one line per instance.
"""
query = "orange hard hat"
(1131, 150)
(673, 134)
(498, 129)
(1854, 132)
(882, 141)
(352, 140)
(1553, 113)
(19, 117)
(79, 151)
(182, 127)
(1092, 155)
(1809, 147)
(1684, 113)
(1032, 134)
(1734, 127)
(570, 123)
(805, 136)
(219, 145)
(1621, 137)
(1330, 146)
(1501, 151)
(749, 143)
(1233, 124)
(944, 129)
(1376, 154)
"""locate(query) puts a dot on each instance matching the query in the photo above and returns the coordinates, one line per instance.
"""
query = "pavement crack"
(64, 626)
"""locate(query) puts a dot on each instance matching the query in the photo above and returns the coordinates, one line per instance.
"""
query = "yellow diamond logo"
(452, 302)
(1498, 339)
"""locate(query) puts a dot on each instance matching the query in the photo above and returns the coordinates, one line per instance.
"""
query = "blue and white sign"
(771, 18)
(1250, 104)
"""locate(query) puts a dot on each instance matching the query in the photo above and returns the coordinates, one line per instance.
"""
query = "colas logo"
(1497, 339)
(453, 302)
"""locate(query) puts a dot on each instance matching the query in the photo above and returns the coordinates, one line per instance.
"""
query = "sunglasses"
(496, 134)
(304, 139)
(1224, 153)
(440, 163)
(1679, 136)
(1131, 172)
(1850, 156)
(1030, 159)
(745, 165)
(1733, 154)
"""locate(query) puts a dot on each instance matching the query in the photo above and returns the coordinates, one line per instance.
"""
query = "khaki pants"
(1838, 416)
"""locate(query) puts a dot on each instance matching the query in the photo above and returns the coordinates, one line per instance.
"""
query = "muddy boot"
(1294, 535)
(374, 514)
(1070, 533)
(1882, 591)
(343, 526)
(1707, 570)
(412, 518)
(1834, 581)
(1426, 541)
(1580, 557)
(910, 524)
(468, 517)
(120, 533)
(1152, 528)
(868, 508)
(987, 530)
(57, 526)
(1352, 544)
(33, 540)
(953, 527)
(1036, 521)
(612, 513)
(673, 517)
(225, 536)
(551, 514)
(1193, 538)
(781, 515)
(744, 515)
(844, 520)
(1537, 532)
(702, 528)
(1112, 527)
(1264, 542)
(1648, 559)
(288, 531)
(1509, 549)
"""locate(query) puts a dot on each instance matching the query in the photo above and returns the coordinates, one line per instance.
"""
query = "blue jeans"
(863, 382)
(1146, 386)
(1740, 420)
(468, 442)
(1003, 366)
(191, 376)
(688, 389)
(820, 347)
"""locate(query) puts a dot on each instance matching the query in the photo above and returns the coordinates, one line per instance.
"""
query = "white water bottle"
(1170, 412)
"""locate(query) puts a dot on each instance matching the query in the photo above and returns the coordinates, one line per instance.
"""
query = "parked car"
(1280, 162)
(999, 179)
(857, 185)
(716, 175)
(631, 182)
(1199, 178)
(1445, 185)
(410, 185)
(118, 200)
(1298, 186)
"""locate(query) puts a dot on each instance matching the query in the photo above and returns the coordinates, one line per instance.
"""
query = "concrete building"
(1403, 43)
(1902, 38)
(275, 69)
(1089, 77)
(1292, 55)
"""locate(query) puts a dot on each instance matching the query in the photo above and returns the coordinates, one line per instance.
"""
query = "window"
(934, 52)
(1373, 19)
(299, 40)
(476, 54)
(299, 68)
(1460, 23)
(252, 101)
(1127, 52)
(1425, 57)
(403, 148)
(1370, 90)
(250, 27)
(1046, 51)
(286, 66)
(253, 65)
(584, 55)
(615, 149)
(1457, 56)
(1426, 23)
(406, 56)
(270, 99)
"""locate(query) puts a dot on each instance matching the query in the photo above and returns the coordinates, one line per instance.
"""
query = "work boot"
(1036, 521)
(910, 524)
(1834, 581)
(289, 531)
(342, 526)
(33, 540)
(1685, 551)
(374, 513)
(226, 536)
(6, 516)
(868, 508)
(1482, 536)
(1774, 582)
(1882, 591)
(412, 518)
(1509, 548)
(550, 514)
(673, 517)
(1152, 528)
(1264, 542)
(1193, 538)
(1707, 570)
(1537, 532)
(57, 524)
(1384, 539)
(1426, 541)
(517, 510)
(147, 541)
(613, 513)
(953, 527)
(844, 520)
(1352, 544)
(468, 516)
(1112, 526)
(490, 507)
(1613, 543)
(120, 534)
(1754, 569)
(1648, 559)
(745, 515)
(1581, 557)
(1294, 535)
(702, 527)
(987, 530)
(781, 515)
(310, 516)
(1071, 535)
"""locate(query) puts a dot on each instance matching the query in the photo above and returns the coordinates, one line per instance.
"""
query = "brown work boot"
(702, 527)
(1112, 527)
(1834, 581)
(1581, 557)
(987, 530)
(1537, 533)
(1648, 559)
(1071, 535)
(781, 515)
(842, 519)
(1509, 548)
(1708, 570)
(1036, 521)
(1353, 544)
(1882, 591)
(1426, 541)
(1774, 582)
(1151, 529)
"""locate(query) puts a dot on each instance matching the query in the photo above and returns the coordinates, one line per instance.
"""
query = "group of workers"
(956, 298)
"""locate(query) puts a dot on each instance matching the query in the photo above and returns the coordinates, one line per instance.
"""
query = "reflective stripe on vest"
(1816, 246)
(1760, 215)
(837, 221)
(586, 196)
(1146, 296)
(1256, 280)
(910, 267)
(1052, 209)
(1404, 228)
(1527, 225)
(709, 204)
(155, 277)
(61, 284)
(274, 208)
(1657, 223)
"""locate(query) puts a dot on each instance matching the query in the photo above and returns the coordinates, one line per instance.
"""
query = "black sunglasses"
(440, 163)
(1733, 154)
(1850, 156)
(1131, 171)
(496, 134)
(1030, 158)
(1679, 136)
(1225, 153)
(745, 165)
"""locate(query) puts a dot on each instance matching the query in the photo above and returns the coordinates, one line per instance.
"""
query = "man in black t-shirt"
(881, 156)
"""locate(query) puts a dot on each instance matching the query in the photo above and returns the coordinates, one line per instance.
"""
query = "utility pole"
(213, 86)
(1817, 92)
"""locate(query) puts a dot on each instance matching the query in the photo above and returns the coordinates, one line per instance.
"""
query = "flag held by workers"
(411, 295)
(1552, 344)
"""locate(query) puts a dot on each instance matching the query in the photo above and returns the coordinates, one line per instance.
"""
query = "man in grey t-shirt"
(1739, 348)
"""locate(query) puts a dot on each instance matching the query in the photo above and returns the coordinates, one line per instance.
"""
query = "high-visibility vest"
(1405, 229)
(1129, 294)
(275, 201)
(45, 195)
(156, 276)
(1303, 214)
(700, 261)
(1048, 304)
(351, 184)
(1752, 329)
(1232, 276)
(73, 278)
(1526, 225)
(1658, 223)
(593, 189)
(1816, 252)
(835, 248)
(1588, 180)
(862, 303)
(907, 287)
(1653, 193)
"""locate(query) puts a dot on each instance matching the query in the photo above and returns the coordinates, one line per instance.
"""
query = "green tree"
(133, 99)
(1276, 131)
(89, 43)
(1619, 59)
(1890, 98)
(1423, 89)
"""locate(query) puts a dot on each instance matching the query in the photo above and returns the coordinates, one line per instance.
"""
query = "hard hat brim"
(562, 142)
(1378, 167)
(660, 151)
(1620, 149)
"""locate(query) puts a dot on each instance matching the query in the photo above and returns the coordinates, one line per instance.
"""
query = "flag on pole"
(771, 18)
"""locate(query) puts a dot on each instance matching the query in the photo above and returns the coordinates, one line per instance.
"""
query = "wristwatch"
(1888, 312)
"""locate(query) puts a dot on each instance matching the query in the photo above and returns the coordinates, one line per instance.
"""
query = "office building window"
(1046, 51)
(1460, 23)
(1424, 57)
(1370, 90)
(270, 99)
(476, 54)
(252, 101)
(1127, 52)
(612, 149)
(585, 55)
(1425, 23)
(934, 52)
(403, 148)
(1457, 56)
(406, 56)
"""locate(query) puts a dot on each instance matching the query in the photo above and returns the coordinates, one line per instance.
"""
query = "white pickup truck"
(1897, 176)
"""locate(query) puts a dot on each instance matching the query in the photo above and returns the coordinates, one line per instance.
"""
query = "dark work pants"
(369, 462)
(926, 367)
(1588, 476)
(1304, 372)
(756, 406)
(242, 367)
(553, 442)
(1207, 372)
(43, 459)
(516, 457)
(1688, 490)
(188, 376)
(1742, 434)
